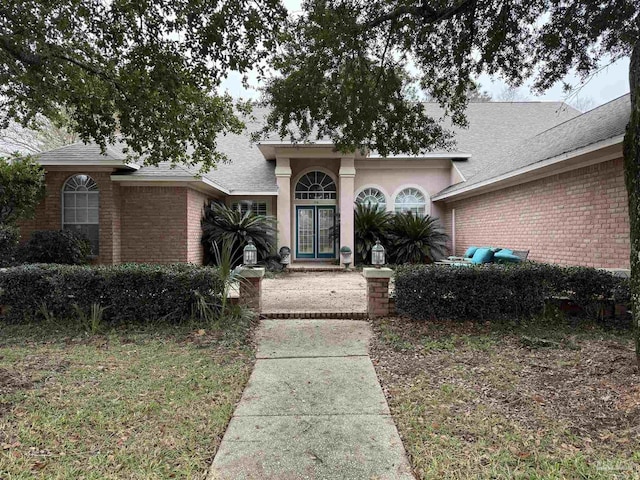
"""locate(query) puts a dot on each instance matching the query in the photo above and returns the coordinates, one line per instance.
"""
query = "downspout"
(453, 231)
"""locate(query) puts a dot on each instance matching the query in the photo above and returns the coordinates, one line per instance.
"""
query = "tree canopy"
(144, 71)
(347, 64)
(21, 188)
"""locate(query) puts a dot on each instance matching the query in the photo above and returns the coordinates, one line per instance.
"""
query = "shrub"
(9, 237)
(225, 226)
(63, 246)
(370, 224)
(22, 187)
(588, 287)
(131, 293)
(488, 292)
(415, 239)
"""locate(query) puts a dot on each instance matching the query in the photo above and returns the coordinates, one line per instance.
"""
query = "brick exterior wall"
(137, 224)
(49, 215)
(154, 224)
(195, 206)
(574, 218)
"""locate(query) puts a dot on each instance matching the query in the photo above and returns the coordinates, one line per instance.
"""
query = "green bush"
(488, 292)
(370, 224)
(49, 246)
(9, 237)
(131, 293)
(415, 239)
(229, 228)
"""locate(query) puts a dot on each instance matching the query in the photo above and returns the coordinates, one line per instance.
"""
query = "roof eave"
(90, 163)
(202, 181)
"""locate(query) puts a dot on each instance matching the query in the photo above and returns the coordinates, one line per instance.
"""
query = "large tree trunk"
(632, 178)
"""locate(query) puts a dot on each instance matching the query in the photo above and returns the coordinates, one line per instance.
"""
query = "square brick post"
(251, 288)
(377, 290)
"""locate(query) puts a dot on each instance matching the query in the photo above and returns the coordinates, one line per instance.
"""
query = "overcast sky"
(610, 83)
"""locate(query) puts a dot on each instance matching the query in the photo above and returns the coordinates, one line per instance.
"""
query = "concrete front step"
(316, 315)
(312, 268)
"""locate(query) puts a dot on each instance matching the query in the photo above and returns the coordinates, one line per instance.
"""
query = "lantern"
(377, 255)
(250, 254)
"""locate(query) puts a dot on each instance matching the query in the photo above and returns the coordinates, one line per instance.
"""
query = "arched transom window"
(411, 200)
(316, 186)
(372, 197)
(80, 208)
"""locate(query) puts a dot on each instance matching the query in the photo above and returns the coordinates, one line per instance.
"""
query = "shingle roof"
(601, 123)
(501, 137)
(495, 127)
(82, 152)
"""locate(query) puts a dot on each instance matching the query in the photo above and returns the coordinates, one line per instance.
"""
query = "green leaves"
(370, 224)
(227, 230)
(416, 239)
(21, 188)
(492, 292)
(355, 72)
(145, 72)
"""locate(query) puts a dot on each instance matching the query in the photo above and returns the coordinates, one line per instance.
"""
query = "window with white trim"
(411, 200)
(372, 197)
(259, 208)
(316, 186)
(80, 208)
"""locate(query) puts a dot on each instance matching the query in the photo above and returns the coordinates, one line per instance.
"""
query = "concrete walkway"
(297, 292)
(313, 409)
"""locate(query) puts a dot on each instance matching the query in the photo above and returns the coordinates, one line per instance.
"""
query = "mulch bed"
(586, 381)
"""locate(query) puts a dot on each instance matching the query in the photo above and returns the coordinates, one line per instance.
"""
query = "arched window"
(411, 200)
(372, 197)
(316, 186)
(80, 205)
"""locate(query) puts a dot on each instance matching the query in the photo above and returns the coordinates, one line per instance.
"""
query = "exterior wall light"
(250, 254)
(378, 255)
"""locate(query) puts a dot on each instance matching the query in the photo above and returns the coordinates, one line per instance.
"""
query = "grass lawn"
(495, 402)
(144, 404)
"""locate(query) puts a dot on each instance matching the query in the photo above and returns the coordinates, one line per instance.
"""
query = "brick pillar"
(251, 288)
(377, 290)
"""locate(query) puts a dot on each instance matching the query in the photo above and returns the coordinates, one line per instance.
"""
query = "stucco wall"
(392, 175)
(574, 218)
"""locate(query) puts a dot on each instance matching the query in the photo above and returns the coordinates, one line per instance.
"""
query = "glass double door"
(314, 231)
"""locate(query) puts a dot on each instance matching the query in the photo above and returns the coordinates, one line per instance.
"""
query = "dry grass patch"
(490, 402)
(143, 405)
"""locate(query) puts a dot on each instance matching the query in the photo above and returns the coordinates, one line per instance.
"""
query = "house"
(525, 175)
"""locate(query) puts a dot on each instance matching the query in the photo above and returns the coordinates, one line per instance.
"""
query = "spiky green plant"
(370, 224)
(229, 228)
(415, 239)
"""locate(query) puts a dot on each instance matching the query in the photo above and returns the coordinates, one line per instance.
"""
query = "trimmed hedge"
(131, 293)
(51, 246)
(488, 292)
(9, 237)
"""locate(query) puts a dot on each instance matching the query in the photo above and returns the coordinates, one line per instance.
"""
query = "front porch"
(315, 189)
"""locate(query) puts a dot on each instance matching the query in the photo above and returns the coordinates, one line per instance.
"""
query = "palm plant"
(229, 229)
(416, 239)
(371, 224)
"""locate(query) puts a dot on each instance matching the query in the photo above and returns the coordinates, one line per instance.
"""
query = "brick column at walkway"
(251, 288)
(377, 291)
